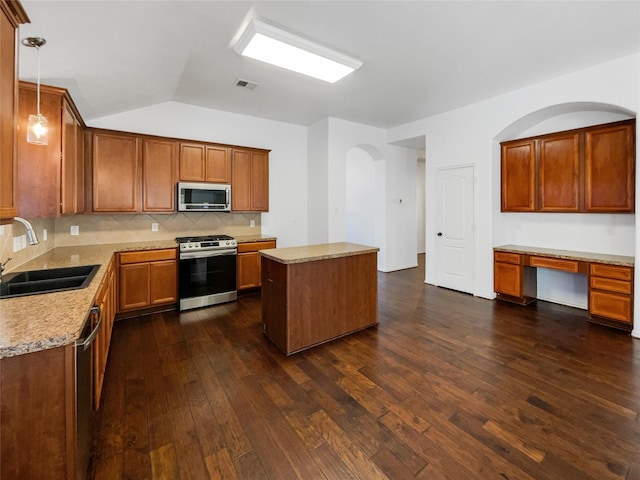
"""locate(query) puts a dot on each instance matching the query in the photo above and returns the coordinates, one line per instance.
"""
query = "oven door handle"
(208, 253)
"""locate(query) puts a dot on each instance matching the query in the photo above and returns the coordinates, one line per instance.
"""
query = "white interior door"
(455, 241)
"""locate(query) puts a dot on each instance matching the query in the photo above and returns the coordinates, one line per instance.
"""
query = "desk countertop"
(569, 255)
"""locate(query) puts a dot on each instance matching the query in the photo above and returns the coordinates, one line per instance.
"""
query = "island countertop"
(311, 253)
(38, 322)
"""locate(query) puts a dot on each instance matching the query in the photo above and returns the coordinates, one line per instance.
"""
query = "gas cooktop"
(203, 238)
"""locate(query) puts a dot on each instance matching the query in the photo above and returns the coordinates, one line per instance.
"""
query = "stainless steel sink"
(50, 280)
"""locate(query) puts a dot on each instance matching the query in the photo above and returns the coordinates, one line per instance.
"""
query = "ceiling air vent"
(246, 84)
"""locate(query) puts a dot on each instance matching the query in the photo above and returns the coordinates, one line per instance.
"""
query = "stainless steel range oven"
(207, 270)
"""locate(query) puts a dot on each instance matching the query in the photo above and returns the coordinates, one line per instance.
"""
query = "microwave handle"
(227, 191)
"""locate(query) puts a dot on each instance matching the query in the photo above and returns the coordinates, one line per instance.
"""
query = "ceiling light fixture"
(37, 129)
(273, 45)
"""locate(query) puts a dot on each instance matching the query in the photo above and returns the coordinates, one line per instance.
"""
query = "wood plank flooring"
(448, 386)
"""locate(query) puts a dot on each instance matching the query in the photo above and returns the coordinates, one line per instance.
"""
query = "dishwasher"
(84, 384)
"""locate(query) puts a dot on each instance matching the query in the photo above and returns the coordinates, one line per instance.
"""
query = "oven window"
(207, 276)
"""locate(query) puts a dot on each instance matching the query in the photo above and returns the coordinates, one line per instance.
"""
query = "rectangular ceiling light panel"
(269, 44)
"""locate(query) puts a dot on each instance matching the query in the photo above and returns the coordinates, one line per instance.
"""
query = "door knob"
(439, 234)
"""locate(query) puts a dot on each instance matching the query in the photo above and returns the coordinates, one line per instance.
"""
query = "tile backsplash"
(100, 229)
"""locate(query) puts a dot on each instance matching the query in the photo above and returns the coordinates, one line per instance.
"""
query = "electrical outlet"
(44, 235)
(154, 227)
(23, 240)
(17, 244)
(75, 230)
(252, 223)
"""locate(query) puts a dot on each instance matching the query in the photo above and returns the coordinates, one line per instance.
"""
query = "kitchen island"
(317, 293)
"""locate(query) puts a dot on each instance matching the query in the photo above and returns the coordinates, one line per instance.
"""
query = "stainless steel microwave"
(204, 197)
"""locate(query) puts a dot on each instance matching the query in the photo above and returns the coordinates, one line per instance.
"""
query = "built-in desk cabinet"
(610, 286)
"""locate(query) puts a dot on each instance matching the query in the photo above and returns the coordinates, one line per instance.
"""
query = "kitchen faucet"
(2, 267)
(31, 234)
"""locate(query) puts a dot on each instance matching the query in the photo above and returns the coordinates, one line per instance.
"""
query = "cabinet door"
(518, 174)
(192, 162)
(159, 160)
(260, 181)
(241, 180)
(217, 165)
(507, 279)
(8, 110)
(80, 177)
(116, 173)
(38, 166)
(164, 282)
(69, 158)
(248, 270)
(559, 173)
(609, 168)
(134, 286)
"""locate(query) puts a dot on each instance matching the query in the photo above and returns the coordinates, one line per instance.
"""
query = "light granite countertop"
(313, 253)
(38, 322)
(254, 238)
(569, 255)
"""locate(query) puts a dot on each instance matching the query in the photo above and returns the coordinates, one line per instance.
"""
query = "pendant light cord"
(38, 50)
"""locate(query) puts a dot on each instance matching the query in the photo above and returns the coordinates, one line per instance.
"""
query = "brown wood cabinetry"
(512, 281)
(610, 293)
(518, 173)
(610, 286)
(248, 261)
(148, 279)
(559, 173)
(38, 415)
(610, 168)
(205, 163)
(308, 303)
(159, 164)
(117, 168)
(50, 178)
(11, 15)
(106, 300)
(250, 180)
(589, 170)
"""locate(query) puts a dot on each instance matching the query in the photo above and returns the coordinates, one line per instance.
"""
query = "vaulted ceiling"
(420, 57)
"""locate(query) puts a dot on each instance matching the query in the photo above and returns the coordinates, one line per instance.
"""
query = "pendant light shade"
(37, 128)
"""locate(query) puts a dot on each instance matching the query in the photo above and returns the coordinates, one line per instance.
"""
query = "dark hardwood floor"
(447, 386)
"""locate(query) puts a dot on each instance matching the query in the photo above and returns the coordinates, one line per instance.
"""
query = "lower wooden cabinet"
(148, 278)
(513, 281)
(611, 293)
(106, 300)
(248, 271)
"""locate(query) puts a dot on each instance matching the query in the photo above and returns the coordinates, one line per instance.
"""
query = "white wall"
(287, 216)
(472, 134)
(318, 179)
(420, 205)
(399, 248)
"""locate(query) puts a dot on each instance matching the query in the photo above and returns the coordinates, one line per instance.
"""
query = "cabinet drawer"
(554, 263)
(255, 246)
(611, 271)
(610, 305)
(610, 284)
(147, 256)
(505, 257)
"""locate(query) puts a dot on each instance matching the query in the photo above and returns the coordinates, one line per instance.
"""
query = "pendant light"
(37, 129)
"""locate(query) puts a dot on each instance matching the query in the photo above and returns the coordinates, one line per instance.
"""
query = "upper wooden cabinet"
(159, 173)
(204, 163)
(117, 166)
(11, 15)
(133, 173)
(518, 176)
(50, 180)
(559, 173)
(250, 180)
(589, 170)
(610, 168)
